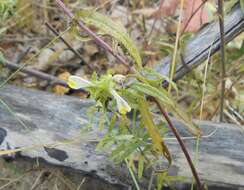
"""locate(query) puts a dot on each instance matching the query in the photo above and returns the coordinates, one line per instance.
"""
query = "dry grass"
(23, 174)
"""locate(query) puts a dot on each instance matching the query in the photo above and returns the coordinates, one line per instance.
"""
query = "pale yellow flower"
(76, 82)
(123, 106)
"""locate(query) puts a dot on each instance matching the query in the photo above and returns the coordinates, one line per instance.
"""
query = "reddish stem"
(96, 38)
(181, 143)
(156, 18)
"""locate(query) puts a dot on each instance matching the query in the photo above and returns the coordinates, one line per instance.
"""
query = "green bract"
(101, 90)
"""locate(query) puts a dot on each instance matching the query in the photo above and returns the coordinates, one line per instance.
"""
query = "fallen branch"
(36, 73)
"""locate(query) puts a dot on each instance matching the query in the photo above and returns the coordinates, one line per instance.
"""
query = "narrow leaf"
(164, 97)
(153, 131)
(116, 30)
(140, 167)
(242, 5)
(147, 89)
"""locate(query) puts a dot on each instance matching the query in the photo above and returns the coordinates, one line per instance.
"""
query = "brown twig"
(38, 74)
(7, 39)
(222, 57)
(66, 43)
(193, 14)
(181, 143)
(55, 32)
(22, 55)
(156, 19)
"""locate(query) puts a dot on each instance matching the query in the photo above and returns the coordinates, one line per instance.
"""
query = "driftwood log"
(50, 126)
(53, 133)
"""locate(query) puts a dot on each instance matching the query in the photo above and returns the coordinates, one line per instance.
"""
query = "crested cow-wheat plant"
(124, 100)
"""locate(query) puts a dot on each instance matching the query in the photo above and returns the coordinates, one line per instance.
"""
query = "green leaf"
(242, 5)
(146, 119)
(228, 5)
(114, 29)
(124, 150)
(162, 95)
(2, 30)
(112, 122)
(123, 137)
(152, 77)
(140, 167)
(147, 89)
(129, 150)
(166, 47)
(120, 148)
(184, 39)
(184, 118)
(2, 59)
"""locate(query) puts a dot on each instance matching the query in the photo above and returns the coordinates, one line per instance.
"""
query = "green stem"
(132, 175)
(222, 57)
(178, 33)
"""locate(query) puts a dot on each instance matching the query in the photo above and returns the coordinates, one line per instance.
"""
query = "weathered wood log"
(53, 133)
(206, 41)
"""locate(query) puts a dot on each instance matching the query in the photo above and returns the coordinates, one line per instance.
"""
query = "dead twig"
(192, 15)
(22, 55)
(156, 19)
(66, 43)
(38, 74)
(63, 40)
(21, 40)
